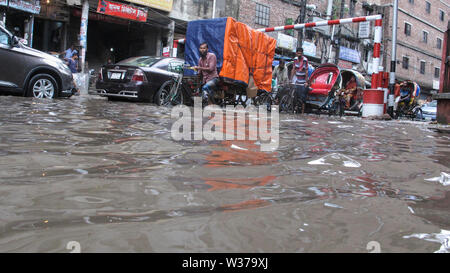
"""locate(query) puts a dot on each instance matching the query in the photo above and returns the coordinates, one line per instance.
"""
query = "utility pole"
(393, 61)
(300, 20)
(214, 9)
(341, 15)
(329, 11)
(170, 37)
(83, 33)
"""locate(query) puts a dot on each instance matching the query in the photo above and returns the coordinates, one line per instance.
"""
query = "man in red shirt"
(207, 67)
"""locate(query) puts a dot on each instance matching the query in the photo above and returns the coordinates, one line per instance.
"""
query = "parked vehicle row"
(29, 72)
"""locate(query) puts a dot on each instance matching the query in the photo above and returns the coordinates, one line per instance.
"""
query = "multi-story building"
(340, 44)
(420, 33)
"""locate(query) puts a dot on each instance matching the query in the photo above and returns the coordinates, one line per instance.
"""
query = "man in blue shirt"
(69, 52)
(73, 63)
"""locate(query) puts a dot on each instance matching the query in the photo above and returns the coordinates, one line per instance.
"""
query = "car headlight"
(64, 68)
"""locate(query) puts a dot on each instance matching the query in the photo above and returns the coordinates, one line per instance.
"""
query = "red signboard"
(122, 10)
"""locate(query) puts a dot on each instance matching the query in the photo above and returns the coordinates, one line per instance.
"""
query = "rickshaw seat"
(320, 89)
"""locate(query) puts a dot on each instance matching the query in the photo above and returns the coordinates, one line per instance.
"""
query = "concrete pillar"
(46, 35)
(158, 43)
(170, 37)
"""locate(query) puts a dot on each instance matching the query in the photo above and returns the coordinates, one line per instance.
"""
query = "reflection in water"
(108, 174)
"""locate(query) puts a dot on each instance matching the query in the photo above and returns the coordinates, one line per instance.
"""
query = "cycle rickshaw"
(244, 59)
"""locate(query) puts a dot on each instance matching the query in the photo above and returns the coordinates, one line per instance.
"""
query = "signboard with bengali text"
(364, 30)
(32, 6)
(309, 49)
(122, 10)
(157, 4)
(349, 54)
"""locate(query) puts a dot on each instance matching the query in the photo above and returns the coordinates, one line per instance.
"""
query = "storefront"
(50, 26)
(18, 16)
(115, 30)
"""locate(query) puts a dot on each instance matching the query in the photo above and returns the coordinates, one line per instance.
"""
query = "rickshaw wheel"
(242, 101)
(418, 114)
(264, 99)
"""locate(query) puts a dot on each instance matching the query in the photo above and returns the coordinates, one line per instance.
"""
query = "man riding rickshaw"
(406, 96)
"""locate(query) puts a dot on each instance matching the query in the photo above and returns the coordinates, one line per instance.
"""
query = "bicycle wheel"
(163, 94)
(286, 104)
(178, 96)
(335, 108)
(242, 100)
(418, 114)
(265, 99)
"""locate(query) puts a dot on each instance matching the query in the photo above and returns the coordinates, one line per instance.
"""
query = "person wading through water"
(299, 77)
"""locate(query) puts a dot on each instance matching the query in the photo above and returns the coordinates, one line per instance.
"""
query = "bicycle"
(289, 103)
(173, 92)
(408, 110)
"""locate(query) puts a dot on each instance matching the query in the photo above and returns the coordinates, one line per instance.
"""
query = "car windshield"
(140, 61)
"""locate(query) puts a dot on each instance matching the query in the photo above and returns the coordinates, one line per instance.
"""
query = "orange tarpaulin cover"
(247, 52)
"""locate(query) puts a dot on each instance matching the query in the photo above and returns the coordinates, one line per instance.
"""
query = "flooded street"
(109, 176)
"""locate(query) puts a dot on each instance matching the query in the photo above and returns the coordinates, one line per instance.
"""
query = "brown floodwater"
(109, 176)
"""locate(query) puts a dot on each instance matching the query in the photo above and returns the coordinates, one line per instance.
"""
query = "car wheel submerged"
(42, 86)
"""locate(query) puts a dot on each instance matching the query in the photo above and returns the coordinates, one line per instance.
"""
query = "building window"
(405, 63)
(437, 72)
(441, 15)
(411, 1)
(407, 29)
(422, 67)
(262, 15)
(425, 37)
(428, 7)
(439, 43)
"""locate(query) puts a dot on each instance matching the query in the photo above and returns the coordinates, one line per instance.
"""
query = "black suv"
(30, 72)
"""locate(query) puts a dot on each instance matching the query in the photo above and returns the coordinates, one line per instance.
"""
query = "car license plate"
(116, 76)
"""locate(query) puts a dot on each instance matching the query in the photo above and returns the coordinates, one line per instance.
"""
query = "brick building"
(420, 33)
(317, 41)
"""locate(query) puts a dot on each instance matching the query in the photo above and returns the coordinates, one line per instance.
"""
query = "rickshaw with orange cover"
(244, 59)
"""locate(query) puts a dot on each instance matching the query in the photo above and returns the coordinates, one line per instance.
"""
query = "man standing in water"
(207, 66)
(299, 77)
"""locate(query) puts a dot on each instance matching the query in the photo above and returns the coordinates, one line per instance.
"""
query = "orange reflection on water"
(237, 183)
(243, 152)
(249, 204)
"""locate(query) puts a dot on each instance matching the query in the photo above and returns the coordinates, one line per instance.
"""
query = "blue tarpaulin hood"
(211, 31)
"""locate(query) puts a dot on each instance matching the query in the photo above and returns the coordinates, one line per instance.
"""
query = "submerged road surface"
(109, 176)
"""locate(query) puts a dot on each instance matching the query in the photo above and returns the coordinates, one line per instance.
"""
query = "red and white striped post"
(174, 52)
(376, 54)
(377, 38)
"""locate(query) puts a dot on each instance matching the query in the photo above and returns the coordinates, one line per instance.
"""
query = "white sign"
(309, 49)
(436, 84)
(166, 51)
(364, 30)
(286, 42)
